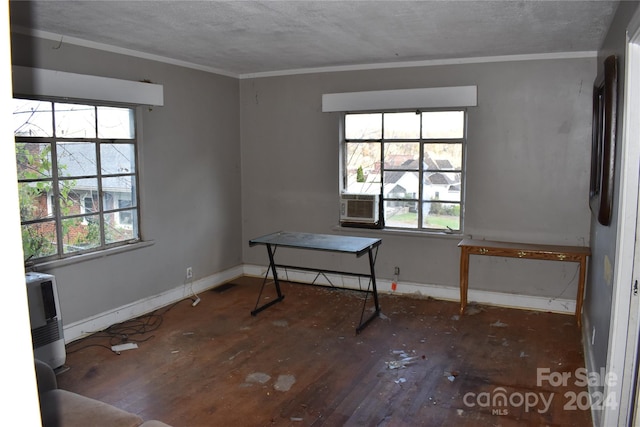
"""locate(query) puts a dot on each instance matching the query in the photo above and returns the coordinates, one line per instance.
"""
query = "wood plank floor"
(300, 363)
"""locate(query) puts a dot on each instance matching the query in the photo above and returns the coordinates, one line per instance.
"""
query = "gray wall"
(528, 168)
(190, 180)
(598, 296)
(528, 173)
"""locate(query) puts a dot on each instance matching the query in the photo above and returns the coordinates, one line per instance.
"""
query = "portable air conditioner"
(46, 321)
(359, 209)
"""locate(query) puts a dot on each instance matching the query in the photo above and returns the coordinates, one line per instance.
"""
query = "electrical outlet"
(396, 271)
(189, 272)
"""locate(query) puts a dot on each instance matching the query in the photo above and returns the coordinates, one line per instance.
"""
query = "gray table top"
(324, 242)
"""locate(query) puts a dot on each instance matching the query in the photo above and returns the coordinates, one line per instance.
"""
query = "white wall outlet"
(189, 272)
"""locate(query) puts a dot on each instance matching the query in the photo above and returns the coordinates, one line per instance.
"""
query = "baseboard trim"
(501, 299)
(99, 322)
(590, 365)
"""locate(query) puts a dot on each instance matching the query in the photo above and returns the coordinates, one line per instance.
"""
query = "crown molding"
(276, 73)
(119, 50)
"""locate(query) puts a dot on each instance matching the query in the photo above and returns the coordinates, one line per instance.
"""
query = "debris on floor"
(473, 309)
(281, 323)
(451, 375)
(403, 359)
(499, 324)
(122, 347)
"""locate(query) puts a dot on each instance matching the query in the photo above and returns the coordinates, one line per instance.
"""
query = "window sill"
(399, 232)
(89, 256)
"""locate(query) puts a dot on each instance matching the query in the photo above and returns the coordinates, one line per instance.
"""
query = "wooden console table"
(522, 250)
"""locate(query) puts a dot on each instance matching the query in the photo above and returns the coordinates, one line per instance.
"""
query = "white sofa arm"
(45, 376)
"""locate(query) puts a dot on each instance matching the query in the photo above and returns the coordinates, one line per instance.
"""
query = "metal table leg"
(272, 267)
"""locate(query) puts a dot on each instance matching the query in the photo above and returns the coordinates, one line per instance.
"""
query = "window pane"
(444, 216)
(74, 194)
(363, 126)
(118, 192)
(90, 202)
(117, 158)
(34, 203)
(39, 240)
(76, 159)
(400, 214)
(443, 156)
(442, 186)
(75, 121)
(80, 233)
(443, 124)
(401, 185)
(34, 160)
(399, 155)
(116, 123)
(402, 125)
(363, 167)
(119, 226)
(32, 118)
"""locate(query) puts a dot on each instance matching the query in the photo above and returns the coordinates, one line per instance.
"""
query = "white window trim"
(59, 84)
(438, 97)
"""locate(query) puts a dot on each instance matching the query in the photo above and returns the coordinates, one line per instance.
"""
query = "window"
(77, 177)
(414, 159)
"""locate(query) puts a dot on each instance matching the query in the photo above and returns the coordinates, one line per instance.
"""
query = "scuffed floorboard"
(300, 363)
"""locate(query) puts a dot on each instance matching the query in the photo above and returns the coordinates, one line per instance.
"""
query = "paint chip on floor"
(499, 324)
(471, 310)
(284, 382)
(258, 377)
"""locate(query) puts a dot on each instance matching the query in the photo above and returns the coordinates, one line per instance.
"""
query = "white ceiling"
(242, 38)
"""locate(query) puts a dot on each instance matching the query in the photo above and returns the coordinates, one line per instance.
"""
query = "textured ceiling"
(252, 37)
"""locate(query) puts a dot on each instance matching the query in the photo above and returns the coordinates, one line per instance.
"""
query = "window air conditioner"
(46, 321)
(360, 209)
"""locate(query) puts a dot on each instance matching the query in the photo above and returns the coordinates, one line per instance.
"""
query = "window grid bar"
(57, 209)
(103, 239)
(420, 178)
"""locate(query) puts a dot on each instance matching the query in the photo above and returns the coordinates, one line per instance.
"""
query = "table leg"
(464, 278)
(374, 289)
(272, 266)
(372, 268)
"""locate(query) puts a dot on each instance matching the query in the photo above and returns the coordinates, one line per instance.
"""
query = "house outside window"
(75, 162)
(414, 160)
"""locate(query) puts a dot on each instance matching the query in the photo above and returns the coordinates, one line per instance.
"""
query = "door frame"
(624, 325)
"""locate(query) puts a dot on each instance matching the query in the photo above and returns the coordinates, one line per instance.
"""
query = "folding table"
(358, 246)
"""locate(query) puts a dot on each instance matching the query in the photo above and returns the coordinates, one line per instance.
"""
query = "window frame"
(421, 141)
(54, 212)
